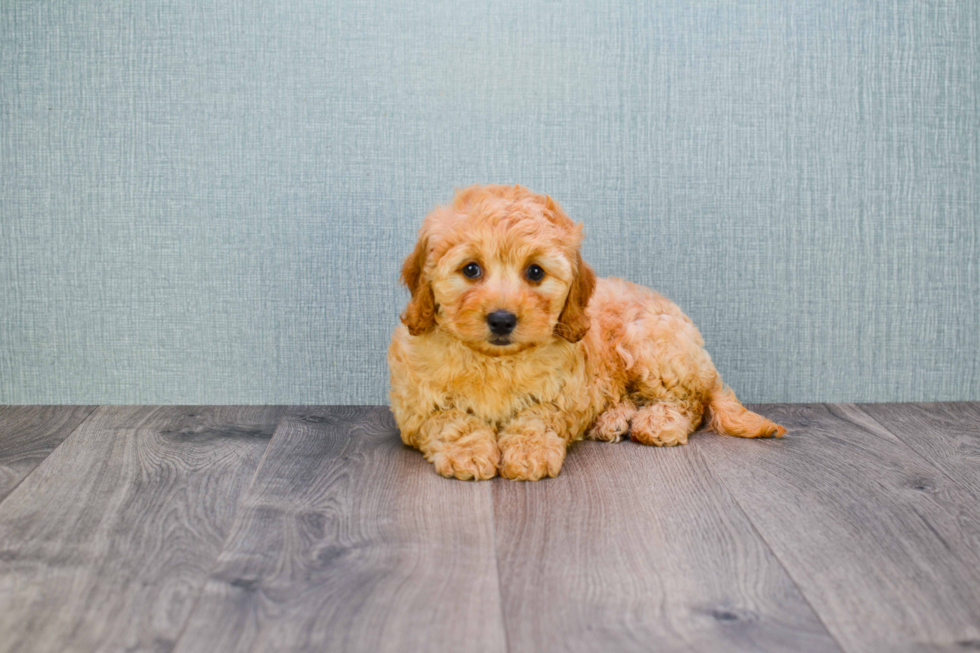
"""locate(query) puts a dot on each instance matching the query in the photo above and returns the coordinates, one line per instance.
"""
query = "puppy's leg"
(663, 424)
(613, 423)
(532, 445)
(459, 445)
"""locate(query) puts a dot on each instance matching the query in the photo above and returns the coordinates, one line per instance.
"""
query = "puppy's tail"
(729, 417)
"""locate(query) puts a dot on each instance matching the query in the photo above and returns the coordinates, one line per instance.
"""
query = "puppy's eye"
(472, 271)
(534, 272)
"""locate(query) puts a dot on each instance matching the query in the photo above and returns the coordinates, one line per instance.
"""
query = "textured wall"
(208, 202)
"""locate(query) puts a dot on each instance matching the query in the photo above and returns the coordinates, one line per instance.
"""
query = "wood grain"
(341, 539)
(945, 434)
(107, 544)
(882, 544)
(637, 548)
(28, 434)
(348, 541)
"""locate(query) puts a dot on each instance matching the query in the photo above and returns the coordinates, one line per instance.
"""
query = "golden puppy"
(511, 349)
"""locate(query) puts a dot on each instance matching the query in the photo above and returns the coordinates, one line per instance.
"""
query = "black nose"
(501, 322)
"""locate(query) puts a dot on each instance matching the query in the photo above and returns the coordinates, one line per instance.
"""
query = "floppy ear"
(420, 314)
(573, 323)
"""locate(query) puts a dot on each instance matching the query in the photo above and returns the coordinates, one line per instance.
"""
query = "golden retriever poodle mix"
(511, 349)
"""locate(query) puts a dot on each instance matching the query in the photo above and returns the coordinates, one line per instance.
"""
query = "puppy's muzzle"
(501, 323)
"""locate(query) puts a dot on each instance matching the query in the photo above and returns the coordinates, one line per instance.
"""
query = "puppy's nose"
(501, 323)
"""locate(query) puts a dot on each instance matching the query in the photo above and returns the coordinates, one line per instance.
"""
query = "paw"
(531, 456)
(660, 425)
(613, 424)
(474, 457)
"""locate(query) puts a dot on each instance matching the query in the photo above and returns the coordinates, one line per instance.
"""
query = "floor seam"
(38, 466)
(224, 544)
(775, 555)
(942, 472)
(900, 440)
(496, 563)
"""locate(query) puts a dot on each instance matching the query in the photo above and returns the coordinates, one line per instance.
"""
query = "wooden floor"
(255, 528)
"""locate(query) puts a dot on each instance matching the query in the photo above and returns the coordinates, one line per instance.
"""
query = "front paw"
(474, 457)
(529, 456)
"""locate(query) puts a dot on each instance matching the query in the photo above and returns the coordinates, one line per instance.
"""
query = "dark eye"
(472, 271)
(535, 273)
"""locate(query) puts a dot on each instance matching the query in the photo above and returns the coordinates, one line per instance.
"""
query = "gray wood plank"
(882, 544)
(107, 544)
(348, 541)
(637, 548)
(945, 434)
(28, 434)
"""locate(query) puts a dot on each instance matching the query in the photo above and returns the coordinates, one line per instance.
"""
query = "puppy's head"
(500, 270)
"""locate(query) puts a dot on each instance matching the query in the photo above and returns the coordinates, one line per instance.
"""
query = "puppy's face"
(502, 288)
(499, 270)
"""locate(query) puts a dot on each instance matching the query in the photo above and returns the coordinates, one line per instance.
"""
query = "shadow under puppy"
(511, 349)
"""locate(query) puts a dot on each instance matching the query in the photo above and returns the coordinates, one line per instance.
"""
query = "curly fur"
(597, 358)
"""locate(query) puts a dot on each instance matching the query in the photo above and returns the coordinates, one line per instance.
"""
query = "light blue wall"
(208, 201)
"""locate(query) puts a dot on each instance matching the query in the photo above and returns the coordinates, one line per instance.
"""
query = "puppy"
(511, 349)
